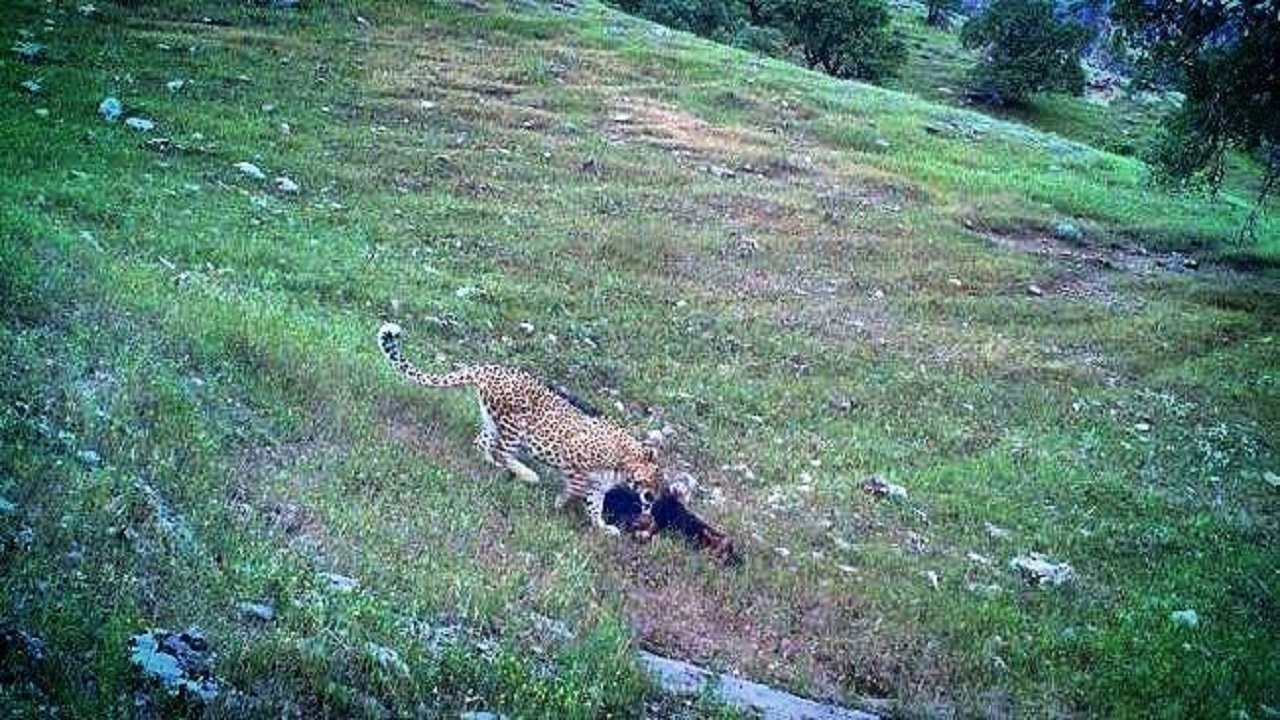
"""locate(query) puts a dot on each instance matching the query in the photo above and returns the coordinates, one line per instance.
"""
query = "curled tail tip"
(389, 330)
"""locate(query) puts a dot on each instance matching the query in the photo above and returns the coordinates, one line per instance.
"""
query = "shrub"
(1025, 49)
(846, 38)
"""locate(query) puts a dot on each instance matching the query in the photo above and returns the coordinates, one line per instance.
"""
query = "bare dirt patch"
(687, 136)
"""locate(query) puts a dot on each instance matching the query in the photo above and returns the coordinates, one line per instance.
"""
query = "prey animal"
(519, 414)
(622, 507)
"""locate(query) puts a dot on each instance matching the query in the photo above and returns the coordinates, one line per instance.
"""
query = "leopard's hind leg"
(499, 446)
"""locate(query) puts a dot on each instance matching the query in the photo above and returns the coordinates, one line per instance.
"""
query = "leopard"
(521, 414)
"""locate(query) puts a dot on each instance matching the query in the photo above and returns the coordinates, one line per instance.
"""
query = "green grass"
(835, 309)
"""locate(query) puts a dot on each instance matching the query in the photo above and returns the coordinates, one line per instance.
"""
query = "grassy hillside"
(811, 282)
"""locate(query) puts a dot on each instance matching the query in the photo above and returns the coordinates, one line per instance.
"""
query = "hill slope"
(810, 282)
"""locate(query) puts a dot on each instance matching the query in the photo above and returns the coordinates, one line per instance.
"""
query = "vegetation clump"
(1025, 49)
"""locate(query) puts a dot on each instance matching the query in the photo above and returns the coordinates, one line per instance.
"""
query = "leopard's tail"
(389, 342)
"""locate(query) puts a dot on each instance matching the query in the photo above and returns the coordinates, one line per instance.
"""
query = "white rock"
(1039, 570)
(877, 485)
(340, 583)
(251, 170)
(140, 123)
(995, 532)
(285, 185)
(111, 109)
(1185, 618)
(175, 85)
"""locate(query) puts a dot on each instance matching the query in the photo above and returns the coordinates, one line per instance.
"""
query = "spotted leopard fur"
(519, 413)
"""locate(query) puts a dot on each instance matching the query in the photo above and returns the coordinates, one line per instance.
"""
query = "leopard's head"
(646, 478)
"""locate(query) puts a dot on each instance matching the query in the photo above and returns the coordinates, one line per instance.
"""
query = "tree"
(708, 18)
(939, 12)
(1025, 49)
(1224, 55)
(846, 38)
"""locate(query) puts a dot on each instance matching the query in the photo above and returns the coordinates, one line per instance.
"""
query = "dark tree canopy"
(708, 18)
(939, 11)
(1026, 49)
(846, 38)
(1224, 55)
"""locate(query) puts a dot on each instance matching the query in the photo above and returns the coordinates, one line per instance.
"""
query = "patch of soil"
(687, 136)
(1129, 259)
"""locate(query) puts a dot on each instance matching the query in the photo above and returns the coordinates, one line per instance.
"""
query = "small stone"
(955, 282)
(847, 569)
(387, 659)
(995, 532)
(250, 170)
(29, 50)
(782, 552)
(111, 109)
(1190, 263)
(1271, 479)
(526, 327)
(427, 105)
(32, 86)
(1142, 427)
(285, 185)
(979, 559)
(1068, 232)
(1185, 618)
(87, 10)
(1035, 290)
(340, 583)
(42, 112)
(257, 611)
(932, 577)
(878, 486)
(174, 86)
(89, 457)
(140, 124)
(1039, 570)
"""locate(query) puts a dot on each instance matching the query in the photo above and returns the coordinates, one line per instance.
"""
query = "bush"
(1025, 50)
(846, 38)
(939, 12)
(708, 18)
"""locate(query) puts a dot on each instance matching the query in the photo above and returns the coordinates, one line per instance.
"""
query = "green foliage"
(208, 338)
(938, 11)
(1025, 50)
(848, 38)
(1225, 58)
(708, 18)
